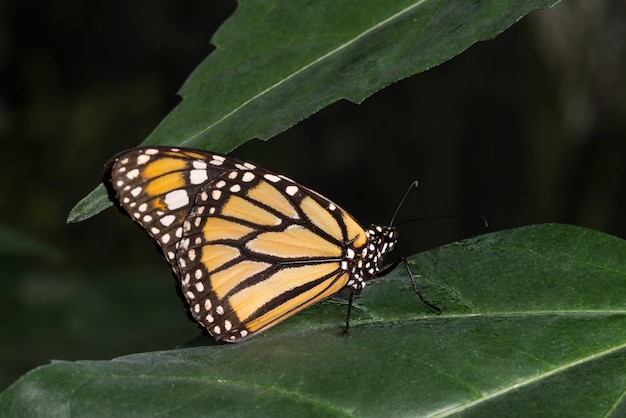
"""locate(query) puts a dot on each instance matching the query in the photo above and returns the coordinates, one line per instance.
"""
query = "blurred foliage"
(527, 128)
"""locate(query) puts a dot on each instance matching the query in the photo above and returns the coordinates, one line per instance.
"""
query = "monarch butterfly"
(248, 246)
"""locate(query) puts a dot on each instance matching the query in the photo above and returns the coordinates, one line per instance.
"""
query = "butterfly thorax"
(365, 265)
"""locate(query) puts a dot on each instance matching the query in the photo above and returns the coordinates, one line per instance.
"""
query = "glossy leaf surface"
(533, 325)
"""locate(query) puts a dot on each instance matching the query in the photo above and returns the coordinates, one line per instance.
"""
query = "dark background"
(525, 129)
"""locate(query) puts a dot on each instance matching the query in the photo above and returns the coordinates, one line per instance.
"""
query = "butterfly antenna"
(393, 218)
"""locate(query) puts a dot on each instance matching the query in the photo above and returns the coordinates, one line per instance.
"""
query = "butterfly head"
(384, 238)
(381, 240)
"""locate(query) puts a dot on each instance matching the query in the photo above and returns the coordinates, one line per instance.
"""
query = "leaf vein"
(541, 376)
(305, 67)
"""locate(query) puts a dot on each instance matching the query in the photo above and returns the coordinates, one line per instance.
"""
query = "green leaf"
(533, 325)
(277, 63)
(95, 202)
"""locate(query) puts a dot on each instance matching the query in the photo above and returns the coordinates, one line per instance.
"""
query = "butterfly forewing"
(256, 249)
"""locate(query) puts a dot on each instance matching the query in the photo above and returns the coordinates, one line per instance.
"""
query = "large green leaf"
(278, 62)
(533, 324)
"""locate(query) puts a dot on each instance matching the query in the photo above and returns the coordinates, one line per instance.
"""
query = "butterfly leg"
(393, 265)
(346, 330)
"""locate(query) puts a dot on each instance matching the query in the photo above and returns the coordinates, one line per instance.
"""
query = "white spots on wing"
(185, 280)
(291, 190)
(271, 177)
(142, 159)
(198, 176)
(133, 174)
(167, 220)
(176, 199)
(217, 160)
(199, 164)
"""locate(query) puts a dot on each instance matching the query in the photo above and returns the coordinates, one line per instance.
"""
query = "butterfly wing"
(156, 187)
(257, 248)
(250, 247)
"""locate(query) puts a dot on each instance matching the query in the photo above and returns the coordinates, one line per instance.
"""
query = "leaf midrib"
(507, 314)
(541, 376)
(304, 68)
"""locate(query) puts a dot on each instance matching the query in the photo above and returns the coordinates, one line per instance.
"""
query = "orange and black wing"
(258, 247)
(250, 247)
(156, 187)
